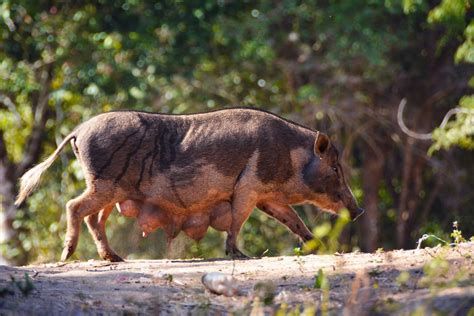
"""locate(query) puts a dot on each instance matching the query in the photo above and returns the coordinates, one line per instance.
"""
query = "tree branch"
(33, 147)
(10, 106)
(7, 180)
(4, 161)
(426, 136)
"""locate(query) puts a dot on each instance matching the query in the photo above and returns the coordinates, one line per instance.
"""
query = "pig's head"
(324, 176)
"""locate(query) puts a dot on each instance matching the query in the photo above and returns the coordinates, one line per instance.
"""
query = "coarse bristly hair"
(31, 179)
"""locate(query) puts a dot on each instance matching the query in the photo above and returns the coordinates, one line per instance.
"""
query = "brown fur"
(189, 172)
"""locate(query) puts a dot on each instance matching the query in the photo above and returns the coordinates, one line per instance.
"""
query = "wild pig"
(186, 172)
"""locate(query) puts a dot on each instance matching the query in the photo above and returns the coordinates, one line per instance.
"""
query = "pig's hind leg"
(88, 203)
(286, 215)
(96, 225)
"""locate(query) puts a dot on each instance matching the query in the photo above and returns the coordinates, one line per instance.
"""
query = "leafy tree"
(60, 64)
(339, 67)
(453, 15)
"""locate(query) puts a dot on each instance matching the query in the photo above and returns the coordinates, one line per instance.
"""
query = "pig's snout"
(356, 212)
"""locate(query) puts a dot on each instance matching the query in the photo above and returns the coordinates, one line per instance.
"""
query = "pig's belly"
(194, 224)
(149, 216)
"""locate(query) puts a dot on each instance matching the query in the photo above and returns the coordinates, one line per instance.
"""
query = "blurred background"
(337, 66)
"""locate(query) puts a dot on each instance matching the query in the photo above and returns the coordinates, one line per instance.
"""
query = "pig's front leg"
(242, 207)
(286, 215)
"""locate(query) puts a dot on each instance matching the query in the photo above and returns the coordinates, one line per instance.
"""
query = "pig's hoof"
(113, 258)
(308, 237)
(109, 255)
(237, 254)
(67, 252)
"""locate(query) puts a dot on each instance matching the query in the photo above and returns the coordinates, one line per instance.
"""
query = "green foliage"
(452, 15)
(326, 235)
(260, 233)
(297, 251)
(438, 235)
(83, 58)
(465, 52)
(265, 292)
(459, 131)
(308, 310)
(211, 246)
(403, 278)
(25, 286)
(321, 281)
(439, 274)
(457, 234)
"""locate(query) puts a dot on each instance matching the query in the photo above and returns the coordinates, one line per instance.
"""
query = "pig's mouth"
(356, 213)
(353, 214)
(325, 204)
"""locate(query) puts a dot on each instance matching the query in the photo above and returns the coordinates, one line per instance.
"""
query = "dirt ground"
(426, 281)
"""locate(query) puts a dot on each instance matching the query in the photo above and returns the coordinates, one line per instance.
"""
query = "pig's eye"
(335, 169)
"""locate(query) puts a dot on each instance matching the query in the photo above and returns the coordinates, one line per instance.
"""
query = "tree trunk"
(372, 173)
(8, 210)
(13, 251)
(403, 212)
(413, 201)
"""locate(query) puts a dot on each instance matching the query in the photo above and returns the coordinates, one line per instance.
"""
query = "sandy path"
(358, 283)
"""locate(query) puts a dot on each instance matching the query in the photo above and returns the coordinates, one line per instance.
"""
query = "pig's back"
(198, 154)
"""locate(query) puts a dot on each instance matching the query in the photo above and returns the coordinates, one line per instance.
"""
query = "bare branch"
(10, 106)
(7, 186)
(4, 161)
(33, 146)
(426, 136)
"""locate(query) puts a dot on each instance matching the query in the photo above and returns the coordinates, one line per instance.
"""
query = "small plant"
(298, 251)
(6, 291)
(321, 281)
(309, 309)
(439, 273)
(375, 272)
(265, 292)
(26, 286)
(81, 296)
(168, 277)
(403, 278)
(326, 236)
(282, 310)
(386, 306)
(379, 251)
(457, 234)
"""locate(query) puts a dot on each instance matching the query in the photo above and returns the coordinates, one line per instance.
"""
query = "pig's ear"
(321, 144)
